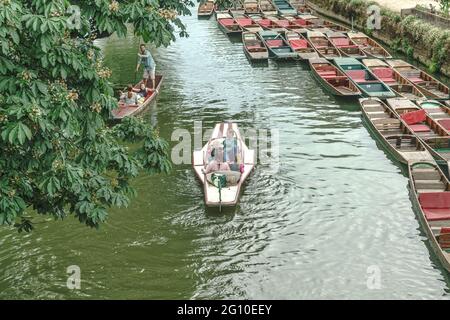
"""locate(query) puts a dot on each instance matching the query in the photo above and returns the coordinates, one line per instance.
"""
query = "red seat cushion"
(385, 74)
(298, 44)
(437, 214)
(274, 43)
(227, 22)
(339, 42)
(419, 128)
(283, 23)
(414, 117)
(301, 22)
(357, 75)
(244, 22)
(435, 205)
(264, 22)
(445, 123)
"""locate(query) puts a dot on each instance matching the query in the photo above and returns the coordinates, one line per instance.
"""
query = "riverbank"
(409, 35)
(398, 5)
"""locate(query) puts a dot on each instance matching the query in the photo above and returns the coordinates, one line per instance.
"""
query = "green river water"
(337, 208)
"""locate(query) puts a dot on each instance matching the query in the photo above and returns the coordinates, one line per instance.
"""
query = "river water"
(334, 221)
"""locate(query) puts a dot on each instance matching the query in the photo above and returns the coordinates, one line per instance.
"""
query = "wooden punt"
(251, 6)
(393, 134)
(284, 7)
(254, 48)
(369, 46)
(447, 103)
(127, 111)
(429, 86)
(237, 8)
(247, 23)
(300, 45)
(332, 79)
(228, 24)
(322, 45)
(277, 45)
(430, 191)
(205, 9)
(435, 138)
(345, 45)
(437, 111)
(364, 79)
(216, 194)
(267, 8)
(400, 85)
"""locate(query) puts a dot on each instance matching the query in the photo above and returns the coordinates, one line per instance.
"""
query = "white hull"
(230, 194)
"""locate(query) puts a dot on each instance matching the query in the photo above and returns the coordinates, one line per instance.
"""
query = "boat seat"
(274, 43)
(414, 117)
(444, 238)
(357, 75)
(244, 22)
(254, 47)
(445, 123)
(299, 44)
(227, 22)
(340, 42)
(435, 205)
(419, 128)
(385, 74)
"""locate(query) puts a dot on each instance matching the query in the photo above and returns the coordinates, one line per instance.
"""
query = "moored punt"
(369, 46)
(430, 190)
(205, 9)
(251, 6)
(435, 138)
(322, 45)
(247, 23)
(278, 47)
(237, 8)
(447, 103)
(393, 79)
(300, 45)
(429, 86)
(364, 79)
(345, 45)
(437, 111)
(394, 135)
(254, 48)
(228, 24)
(127, 111)
(222, 188)
(284, 7)
(269, 24)
(267, 8)
(335, 81)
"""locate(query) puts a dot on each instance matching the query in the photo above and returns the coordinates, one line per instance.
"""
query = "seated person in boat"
(217, 164)
(230, 146)
(130, 98)
(142, 91)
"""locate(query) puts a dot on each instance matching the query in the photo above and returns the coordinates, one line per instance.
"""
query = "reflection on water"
(337, 205)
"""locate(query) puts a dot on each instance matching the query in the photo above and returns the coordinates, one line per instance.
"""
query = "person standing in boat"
(149, 65)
